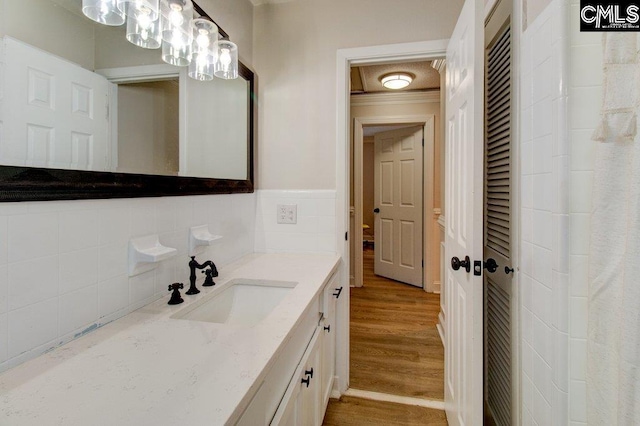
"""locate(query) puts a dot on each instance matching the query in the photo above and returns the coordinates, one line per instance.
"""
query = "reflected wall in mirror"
(76, 95)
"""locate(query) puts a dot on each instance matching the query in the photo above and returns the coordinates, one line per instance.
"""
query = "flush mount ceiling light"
(396, 80)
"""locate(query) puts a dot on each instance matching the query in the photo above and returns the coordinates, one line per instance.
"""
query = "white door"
(463, 208)
(398, 205)
(57, 107)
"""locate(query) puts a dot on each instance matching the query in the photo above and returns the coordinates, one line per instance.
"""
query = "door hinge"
(423, 263)
(346, 236)
(422, 141)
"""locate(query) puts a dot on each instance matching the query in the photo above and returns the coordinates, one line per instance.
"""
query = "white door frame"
(427, 122)
(345, 58)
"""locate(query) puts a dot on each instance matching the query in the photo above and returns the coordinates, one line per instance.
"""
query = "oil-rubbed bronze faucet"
(193, 265)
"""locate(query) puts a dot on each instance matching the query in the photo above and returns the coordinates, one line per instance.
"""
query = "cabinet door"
(311, 408)
(328, 342)
(301, 402)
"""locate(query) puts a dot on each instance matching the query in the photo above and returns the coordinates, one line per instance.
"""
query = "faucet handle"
(208, 281)
(176, 298)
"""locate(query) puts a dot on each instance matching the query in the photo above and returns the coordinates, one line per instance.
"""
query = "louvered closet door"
(498, 241)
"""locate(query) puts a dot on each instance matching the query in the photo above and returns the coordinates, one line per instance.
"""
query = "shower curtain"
(613, 366)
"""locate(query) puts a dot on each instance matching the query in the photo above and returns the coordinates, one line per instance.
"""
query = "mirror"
(86, 114)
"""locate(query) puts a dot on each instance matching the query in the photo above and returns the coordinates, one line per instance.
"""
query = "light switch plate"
(287, 213)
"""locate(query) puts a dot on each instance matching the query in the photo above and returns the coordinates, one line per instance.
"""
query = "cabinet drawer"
(331, 293)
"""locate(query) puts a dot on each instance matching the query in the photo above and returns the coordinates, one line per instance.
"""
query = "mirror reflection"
(77, 95)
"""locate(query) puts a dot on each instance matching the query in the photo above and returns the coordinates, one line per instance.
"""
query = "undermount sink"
(242, 302)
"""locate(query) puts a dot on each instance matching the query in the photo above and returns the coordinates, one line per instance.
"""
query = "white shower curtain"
(613, 368)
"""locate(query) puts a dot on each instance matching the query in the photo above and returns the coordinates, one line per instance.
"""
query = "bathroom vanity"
(269, 360)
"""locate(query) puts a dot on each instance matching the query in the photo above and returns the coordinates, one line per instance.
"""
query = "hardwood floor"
(395, 349)
(349, 411)
(395, 346)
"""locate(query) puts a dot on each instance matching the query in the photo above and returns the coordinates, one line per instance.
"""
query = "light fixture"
(226, 66)
(169, 24)
(103, 11)
(133, 8)
(204, 56)
(143, 31)
(396, 80)
(177, 34)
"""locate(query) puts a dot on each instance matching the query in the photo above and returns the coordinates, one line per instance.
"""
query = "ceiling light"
(396, 81)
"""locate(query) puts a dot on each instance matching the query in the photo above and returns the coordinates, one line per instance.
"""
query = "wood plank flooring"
(349, 411)
(395, 349)
(395, 346)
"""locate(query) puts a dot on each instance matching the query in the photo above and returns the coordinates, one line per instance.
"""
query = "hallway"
(395, 349)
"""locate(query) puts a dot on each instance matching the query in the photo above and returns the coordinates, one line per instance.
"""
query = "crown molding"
(438, 65)
(395, 98)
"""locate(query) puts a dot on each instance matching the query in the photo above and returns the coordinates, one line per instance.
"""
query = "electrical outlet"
(287, 213)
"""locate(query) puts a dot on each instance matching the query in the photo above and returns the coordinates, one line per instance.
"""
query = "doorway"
(393, 333)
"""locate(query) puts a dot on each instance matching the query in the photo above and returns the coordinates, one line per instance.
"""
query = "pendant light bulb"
(105, 12)
(227, 64)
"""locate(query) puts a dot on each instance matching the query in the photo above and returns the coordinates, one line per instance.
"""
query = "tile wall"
(63, 265)
(545, 213)
(315, 231)
(585, 100)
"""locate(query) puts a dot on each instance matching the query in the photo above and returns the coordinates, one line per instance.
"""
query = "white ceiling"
(366, 79)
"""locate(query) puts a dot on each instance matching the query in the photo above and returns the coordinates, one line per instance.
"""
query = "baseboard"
(441, 333)
(406, 400)
(436, 286)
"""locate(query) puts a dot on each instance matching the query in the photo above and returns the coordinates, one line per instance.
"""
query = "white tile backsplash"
(315, 231)
(78, 230)
(78, 309)
(4, 331)
(113, 295)
(32, 326)
(78, 269)
(33, 281)
(32, 236)
(65, 266)
(4, 289)
(4, 240)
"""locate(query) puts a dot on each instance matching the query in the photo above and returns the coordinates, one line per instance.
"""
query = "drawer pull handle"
(306, 381)
(327, 328)
(337, 293)
(309, 373)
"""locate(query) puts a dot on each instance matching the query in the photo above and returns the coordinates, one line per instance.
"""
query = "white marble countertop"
(149, 369)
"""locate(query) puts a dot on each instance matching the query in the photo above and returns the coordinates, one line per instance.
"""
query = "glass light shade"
(205, 36)
(176, 17)
(176, 53)
(103, 11)
(396, 81)
(134, 8)
(226, 66)
(144, 32)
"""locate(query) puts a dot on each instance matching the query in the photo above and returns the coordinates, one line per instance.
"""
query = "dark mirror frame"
(43, 184)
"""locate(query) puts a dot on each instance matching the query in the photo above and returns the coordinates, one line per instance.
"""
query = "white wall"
(295, 56)
(561, 96)
(50, 27)
(544, 215)
(315, 230)
(585, 100)
(63, 264)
